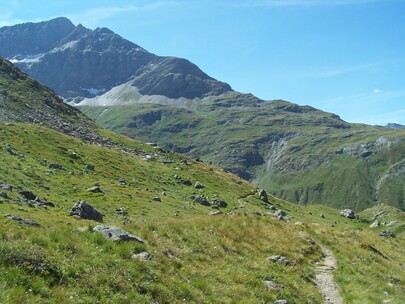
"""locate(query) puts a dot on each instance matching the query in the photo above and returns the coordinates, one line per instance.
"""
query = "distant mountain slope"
(77, 62)
(297, 152)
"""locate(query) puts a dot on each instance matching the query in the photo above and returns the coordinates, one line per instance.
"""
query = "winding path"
(325, 281)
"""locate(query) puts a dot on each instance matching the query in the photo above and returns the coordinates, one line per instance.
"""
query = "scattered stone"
(391, 223)
(375, 224)
(281, 213)
(84, 210)
(143, 256)
(386, 233)
(95, 189)
(198, 185)
(90, 167)
(22, 220)
(215, 212)
(279, 258)
(349, 213)
(187, 182)
(219, 203)
(299, 223)
(121, 211)
(28, 195)
(6, 187)
(168, 254)
(200, 199)
(56, 166)
(3, 195)
(116, 234)
(280, 302)
(122, 180)
(263, 195)
(157, 199)
(322, 216)
(270, 285)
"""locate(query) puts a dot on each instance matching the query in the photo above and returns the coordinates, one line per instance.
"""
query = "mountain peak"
(81, 63)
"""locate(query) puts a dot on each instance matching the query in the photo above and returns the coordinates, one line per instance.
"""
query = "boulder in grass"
(263, 196)
(143, 256)
(349, 213)
(198, 185)
(116, 234)
(202, 200)
(86, 211)
(95, 189)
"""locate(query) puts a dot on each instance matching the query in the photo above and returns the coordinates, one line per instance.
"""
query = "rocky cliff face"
(77, 62)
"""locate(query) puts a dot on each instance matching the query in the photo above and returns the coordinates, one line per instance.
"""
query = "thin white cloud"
(377, 91)
(94, 17)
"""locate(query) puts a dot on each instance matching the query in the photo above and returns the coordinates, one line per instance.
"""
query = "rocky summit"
(78, 62)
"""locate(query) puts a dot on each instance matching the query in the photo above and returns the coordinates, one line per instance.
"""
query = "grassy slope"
(215, 259)
(243, 137)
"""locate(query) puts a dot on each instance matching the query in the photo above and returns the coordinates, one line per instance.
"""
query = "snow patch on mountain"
(26, 59)
(127, 94)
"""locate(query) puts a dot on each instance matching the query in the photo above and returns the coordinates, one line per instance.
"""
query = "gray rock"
(219, 203)
(263, 195)
(84, 210)
(95, 189)
(198, 185)
(386, 233)
(187, 182)
(28, 195)
(280, 213)
(215, 213)
(143, 256)
(279, 258)
(6, 187)
(349, 213)
(157, 199)
(375, 224)
(22, 220)
(280, 302)
(270, 285)
(200, 199)
(116, 234)
(3, 195)
(90, 167)
(391, 223)
(56, 166)
(121, 211)
(122, 180)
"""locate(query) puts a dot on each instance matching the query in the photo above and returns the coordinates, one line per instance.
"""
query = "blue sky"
(341, 56)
